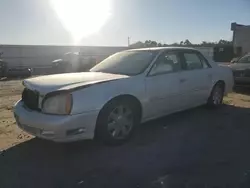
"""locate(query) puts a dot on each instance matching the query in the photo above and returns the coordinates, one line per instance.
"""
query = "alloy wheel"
(120, 122)
(217, 95)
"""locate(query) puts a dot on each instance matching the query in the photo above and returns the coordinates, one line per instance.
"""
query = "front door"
(162, 85)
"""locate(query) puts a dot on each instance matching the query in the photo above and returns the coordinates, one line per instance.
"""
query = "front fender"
(93, 98)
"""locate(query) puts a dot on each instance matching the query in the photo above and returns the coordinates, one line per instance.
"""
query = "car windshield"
(126, 62)
(244, 59)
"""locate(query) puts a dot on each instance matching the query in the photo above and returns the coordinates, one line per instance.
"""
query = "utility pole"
(128, 41)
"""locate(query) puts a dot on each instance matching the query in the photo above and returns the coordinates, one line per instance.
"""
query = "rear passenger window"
(192, 61)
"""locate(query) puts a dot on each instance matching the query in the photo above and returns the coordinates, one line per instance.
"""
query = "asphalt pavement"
(196, 148)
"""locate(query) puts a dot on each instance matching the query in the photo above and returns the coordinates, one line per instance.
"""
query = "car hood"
(67, 81)
(239, 66)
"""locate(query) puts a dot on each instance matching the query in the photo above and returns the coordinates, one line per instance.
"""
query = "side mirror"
(234, 60)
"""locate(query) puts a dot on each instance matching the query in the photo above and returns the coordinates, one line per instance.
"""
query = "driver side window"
(166, 63)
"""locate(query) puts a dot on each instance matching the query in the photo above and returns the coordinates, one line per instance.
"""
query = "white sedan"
(127, 88)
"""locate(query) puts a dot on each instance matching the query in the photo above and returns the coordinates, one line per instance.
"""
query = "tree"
(147, 43)
(159, 44)
(174, 44)
(150, 43)
(208, 44)
(225, 42)
(204, 43)
(153, 44)
(187, 42)
(138, 44)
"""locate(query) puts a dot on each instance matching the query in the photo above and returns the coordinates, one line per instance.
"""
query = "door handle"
(183, 80)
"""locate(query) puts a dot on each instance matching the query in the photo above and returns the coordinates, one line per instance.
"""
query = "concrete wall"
(42, 56)
(206, 51)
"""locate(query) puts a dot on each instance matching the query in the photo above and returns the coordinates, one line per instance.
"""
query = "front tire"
(116, 122)
(216, 96)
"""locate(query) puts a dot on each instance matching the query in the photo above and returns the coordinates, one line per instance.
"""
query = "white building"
(241, 38)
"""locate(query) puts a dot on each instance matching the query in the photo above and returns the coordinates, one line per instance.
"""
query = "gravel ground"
(196, 148)
(10, 135)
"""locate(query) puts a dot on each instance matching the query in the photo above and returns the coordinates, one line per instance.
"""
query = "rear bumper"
(242, 80)
(57, 128)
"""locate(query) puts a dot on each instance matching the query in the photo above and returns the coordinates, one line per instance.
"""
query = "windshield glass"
(127, 62)
(245, 59)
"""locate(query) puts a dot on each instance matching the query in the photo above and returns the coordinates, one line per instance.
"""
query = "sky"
(111, 22)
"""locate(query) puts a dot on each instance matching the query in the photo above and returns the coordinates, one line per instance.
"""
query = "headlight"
(60, 104)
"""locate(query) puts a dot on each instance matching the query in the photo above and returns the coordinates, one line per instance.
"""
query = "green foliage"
(150, 43)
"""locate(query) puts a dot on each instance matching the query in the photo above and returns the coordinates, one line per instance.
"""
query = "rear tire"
(216, 97)
(117, 122)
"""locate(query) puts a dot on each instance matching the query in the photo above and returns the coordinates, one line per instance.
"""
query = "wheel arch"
(222, 83)
(134, 100)
(128, 97)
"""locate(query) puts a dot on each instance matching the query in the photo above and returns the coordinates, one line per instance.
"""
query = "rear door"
(196, 79)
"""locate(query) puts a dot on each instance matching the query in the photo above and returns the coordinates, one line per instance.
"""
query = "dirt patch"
(10, 93)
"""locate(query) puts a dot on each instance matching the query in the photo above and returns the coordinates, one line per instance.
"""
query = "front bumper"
(58, 128)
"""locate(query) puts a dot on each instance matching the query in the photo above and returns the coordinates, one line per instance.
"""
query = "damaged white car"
(127, 88)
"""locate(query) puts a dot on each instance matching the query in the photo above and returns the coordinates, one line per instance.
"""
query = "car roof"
(163, 49)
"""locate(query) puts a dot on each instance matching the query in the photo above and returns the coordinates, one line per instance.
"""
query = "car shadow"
(200, 147)
(4, 79)
(242, 89)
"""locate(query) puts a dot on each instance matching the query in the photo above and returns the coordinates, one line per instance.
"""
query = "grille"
(30, 99)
